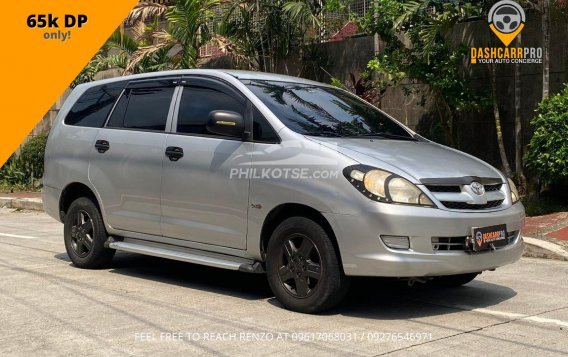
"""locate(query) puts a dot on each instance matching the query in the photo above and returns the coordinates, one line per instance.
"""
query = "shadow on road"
(387, 299)
(377, 298)
(221, 281)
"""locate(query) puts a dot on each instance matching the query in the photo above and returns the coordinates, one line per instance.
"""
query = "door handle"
(102, 146)
(174, 153)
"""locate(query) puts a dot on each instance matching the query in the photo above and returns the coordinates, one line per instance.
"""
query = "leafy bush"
(547, 152)
(11, 174)
(31, 157)
(25, 169)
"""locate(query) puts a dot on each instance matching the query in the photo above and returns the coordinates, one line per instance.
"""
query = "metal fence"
(339, 25)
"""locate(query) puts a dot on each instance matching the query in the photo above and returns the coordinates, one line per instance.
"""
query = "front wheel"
(303, 268)
(85, 235)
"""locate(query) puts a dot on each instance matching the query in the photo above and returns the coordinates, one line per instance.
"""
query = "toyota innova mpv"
(271, 174)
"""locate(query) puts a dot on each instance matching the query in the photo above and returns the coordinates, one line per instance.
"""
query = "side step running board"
(190, 256)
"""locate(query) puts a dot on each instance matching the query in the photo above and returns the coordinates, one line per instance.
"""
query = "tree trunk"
(443, 122)
(545, 47)
(376, 37)
(262, 52)
(499, 132)
(519, 124)
(450, 120)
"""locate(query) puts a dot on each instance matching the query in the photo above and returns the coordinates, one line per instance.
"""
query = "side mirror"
(226, 123)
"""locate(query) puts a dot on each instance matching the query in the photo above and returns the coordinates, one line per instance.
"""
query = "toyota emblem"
(477, 188)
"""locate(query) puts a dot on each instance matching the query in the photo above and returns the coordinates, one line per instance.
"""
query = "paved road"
(145, 305)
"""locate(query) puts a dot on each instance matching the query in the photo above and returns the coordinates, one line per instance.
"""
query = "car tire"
(452, 281)
(85, 235)
(303, 267)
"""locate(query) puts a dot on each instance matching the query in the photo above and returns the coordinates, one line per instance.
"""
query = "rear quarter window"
(93, 107)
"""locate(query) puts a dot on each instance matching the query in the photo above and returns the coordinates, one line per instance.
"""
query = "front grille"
(457, 188)
(440, 188)
(448, 244)
(495, 187)
(464, 205)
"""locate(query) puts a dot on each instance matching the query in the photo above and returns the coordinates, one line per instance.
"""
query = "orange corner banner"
(46, 45)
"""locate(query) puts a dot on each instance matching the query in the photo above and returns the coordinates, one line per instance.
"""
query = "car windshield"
(325, 111)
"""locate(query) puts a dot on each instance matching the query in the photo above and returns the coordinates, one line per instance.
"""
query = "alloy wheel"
(82, 234)
(300, 269)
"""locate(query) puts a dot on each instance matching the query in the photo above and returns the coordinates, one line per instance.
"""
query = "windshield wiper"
(383, 135)
(328, 133)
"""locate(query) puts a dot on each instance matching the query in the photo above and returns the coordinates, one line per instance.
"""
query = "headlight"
(402, 191)
(384, 186)
(375, 182)
(514, 192)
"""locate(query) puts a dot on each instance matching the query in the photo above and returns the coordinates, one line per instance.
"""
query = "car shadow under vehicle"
(394, 299)
(378, 298)
(221, 281)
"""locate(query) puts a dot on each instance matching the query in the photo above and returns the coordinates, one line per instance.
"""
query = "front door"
(203, 200)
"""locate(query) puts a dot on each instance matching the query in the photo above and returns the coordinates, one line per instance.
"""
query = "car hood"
(418, 159)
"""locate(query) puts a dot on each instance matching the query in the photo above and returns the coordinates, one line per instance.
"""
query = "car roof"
(252, 75)
(241, 75)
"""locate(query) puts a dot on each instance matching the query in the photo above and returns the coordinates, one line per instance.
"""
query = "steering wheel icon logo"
(506, 19)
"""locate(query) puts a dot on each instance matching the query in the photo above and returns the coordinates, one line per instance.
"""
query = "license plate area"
(488, 238)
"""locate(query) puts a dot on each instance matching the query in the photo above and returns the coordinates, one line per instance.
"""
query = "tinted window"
(262, 130)
(117, 117)
(93, 107)
(198, 102)
(324, 111)
(143, 108)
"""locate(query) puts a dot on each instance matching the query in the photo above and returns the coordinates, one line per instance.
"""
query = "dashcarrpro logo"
(506, 20)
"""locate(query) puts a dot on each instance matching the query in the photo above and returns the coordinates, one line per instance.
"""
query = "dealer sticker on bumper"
(491, 237)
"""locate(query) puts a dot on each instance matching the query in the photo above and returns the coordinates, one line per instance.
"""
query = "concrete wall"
(45, 123)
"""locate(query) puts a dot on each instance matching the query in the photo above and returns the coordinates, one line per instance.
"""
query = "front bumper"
(364, 254)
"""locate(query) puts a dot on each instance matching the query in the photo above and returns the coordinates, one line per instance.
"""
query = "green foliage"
(547, 152)
(336, 82)
(7, 187)
(417, 52)
(261, 34)
(32, 155)
(188, 28)
(25, 169)
(338, 6)
(11, 174)
(158, 38)
(537, 205)
(305, 13)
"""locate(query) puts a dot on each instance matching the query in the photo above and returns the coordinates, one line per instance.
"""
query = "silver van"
(271, 174)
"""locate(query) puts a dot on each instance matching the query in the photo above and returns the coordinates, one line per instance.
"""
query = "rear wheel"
(303, 267)
(85, 235)
(454, 280)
